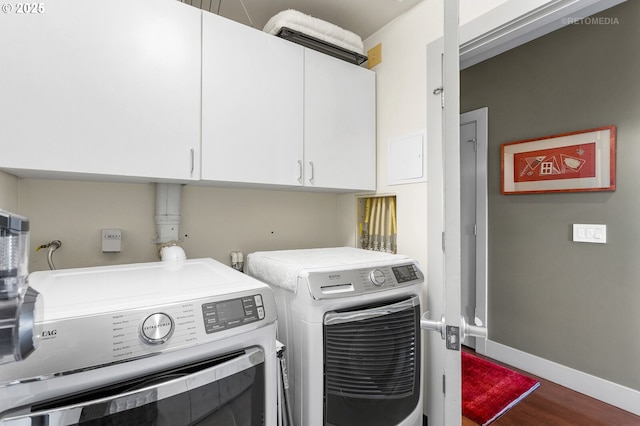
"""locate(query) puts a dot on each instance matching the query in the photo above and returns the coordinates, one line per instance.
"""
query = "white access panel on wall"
(406, 159)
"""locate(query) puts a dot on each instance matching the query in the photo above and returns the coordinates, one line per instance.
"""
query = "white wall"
(401, 110)
(8, 192)
(471, 9)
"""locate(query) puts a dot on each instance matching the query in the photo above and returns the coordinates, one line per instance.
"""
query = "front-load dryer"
(350, 321)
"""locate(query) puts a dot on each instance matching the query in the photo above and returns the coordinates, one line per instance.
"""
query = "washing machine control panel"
(157, 328)
(377, 277)
(232, 313)
(118, 336)
(352, 282)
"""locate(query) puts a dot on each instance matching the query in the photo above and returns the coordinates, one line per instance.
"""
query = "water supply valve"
(237, 260)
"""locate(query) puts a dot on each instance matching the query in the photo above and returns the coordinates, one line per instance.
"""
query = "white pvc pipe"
(168, 197)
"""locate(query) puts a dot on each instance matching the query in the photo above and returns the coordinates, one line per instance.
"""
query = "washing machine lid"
(281, 268)
(72, 293)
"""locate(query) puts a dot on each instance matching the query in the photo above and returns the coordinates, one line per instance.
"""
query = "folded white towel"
(315, 27)
(281, 268)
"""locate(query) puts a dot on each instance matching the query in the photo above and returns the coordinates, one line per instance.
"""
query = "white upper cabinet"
(275, 113)
(339, 124)
(252, 105)
(157, 90)
(110, 89)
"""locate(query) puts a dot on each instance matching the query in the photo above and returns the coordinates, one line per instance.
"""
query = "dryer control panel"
(352, 282)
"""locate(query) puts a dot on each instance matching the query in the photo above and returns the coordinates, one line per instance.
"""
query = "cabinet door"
(339, 133)
(101, 88)
(252, 105)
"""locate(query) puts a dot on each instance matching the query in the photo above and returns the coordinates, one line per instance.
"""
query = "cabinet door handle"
(300, 171)
(312, 172)
(193, 160)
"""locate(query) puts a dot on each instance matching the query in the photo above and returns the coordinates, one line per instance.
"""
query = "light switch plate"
(589, 233)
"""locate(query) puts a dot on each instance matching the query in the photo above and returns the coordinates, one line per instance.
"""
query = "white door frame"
(434, 355)
(516, 22)
(443, 398)
(451, 238)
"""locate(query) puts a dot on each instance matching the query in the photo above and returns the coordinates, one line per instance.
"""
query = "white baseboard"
(595, 387)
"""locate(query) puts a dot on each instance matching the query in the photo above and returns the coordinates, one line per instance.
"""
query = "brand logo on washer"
(153, 327)
(49, 334)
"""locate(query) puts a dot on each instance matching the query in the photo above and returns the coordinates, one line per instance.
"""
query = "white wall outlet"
(589, 233)
(111, 240)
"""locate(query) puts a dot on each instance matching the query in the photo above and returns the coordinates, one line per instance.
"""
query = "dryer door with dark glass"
(372, 364)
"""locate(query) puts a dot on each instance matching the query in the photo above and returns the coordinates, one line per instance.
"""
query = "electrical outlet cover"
(111, 240)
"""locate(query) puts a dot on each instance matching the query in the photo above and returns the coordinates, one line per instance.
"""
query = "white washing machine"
(184, 343)
(350, 321)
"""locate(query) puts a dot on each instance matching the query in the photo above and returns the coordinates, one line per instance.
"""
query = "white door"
(443, 376)
(473, 217)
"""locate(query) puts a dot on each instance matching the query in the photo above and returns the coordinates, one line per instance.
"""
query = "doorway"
(473, 221)
(481, 39)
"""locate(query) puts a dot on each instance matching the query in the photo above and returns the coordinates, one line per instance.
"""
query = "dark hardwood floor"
(555, 405)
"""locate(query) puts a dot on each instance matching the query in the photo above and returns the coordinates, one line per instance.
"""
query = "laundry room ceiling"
(363, 17)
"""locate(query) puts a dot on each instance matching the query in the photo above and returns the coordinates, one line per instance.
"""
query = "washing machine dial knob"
(156, 328)
(377, 277)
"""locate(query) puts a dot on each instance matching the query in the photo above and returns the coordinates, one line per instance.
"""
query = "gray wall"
(572, 303)
(214, 221)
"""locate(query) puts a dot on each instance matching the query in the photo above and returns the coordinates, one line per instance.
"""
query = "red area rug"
(489, 390)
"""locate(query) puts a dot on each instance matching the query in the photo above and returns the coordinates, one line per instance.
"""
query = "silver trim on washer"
(139, 397)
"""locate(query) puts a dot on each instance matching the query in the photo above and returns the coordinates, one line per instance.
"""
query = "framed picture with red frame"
(568, 162)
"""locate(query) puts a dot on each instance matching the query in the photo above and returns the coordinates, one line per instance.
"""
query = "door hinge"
(443, 241)
(475, 229)
(444, 384)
